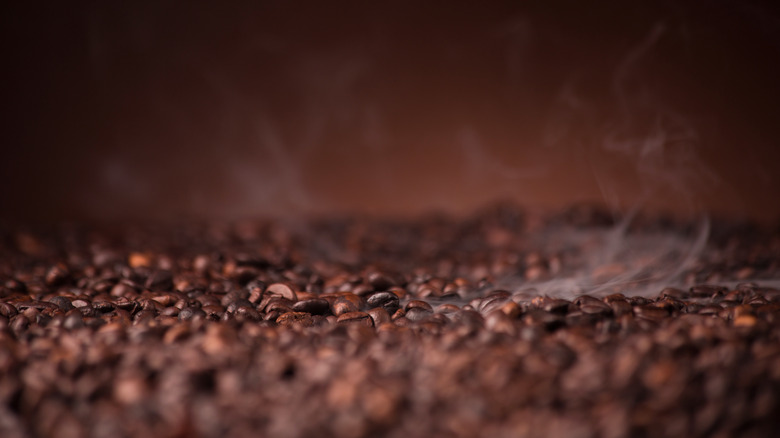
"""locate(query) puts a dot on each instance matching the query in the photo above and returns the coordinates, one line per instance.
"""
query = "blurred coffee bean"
(360, 318)
(283, 290)
(314, 306)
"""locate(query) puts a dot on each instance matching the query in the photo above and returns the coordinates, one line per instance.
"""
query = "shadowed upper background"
(167, 109)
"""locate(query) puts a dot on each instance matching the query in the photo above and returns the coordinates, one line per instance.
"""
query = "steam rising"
(659, 147)
(637, 149)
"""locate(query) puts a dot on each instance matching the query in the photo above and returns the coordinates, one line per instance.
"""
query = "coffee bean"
(706, 291)
(19, 323)
(57, 275)
(421, 305)
(379, 315)
(283, 290)
(547, 320)
(556, 306)
(360, 318)
(314, 306)
(7, 310)
(651, 313)
(101, 349)
(73, 320)
(620, 307)
(233, 306)
(386, 300)
(417, 314)
(343, 306)
(380, 282)
(302, 319)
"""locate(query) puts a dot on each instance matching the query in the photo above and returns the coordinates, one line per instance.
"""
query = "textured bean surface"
(353, 328)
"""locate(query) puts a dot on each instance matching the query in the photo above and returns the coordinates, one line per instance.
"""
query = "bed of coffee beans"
(367, 328)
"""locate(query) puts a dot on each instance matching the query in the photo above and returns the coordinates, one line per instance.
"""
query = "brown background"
(169, 110)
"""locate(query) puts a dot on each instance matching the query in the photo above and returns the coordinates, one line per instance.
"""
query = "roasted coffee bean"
(170, 311)
(302, 319)
(314, 306)
(102, 306)
(706, 291)
(19, 323)
(379, 315)
(620, 307)
(283, 290)
(591, 309)
(416, 314)
(343, 306)
(675, 293)
(547, 320)
(650, 312)
(363, 290)
(380, 282)
(586, 300)
(235, 305)
(73, 320)
(417, 304)
(188, 313)
(387, 300)
(360, 318)
(57, 275)
(99, 353)
(8, 310)
(556, 306)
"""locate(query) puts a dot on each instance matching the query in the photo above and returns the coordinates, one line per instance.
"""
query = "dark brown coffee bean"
(556, 306)
(57, 275)
(277, 303)
(145, 316)
(73, 320)
(597, 310)
(620, 307)
(170, 311)
(314, 306)
(102, 306)
(417, 304)
(176, 333)
(360, 318)
(387, 300)
(8, 310)
(614, 297)
(235, 305)
(379, 315)
(380, 282)
(675, 293)
(652, 313)
(283, 290)
(710, 310)
(188, 313)
(301, 319)
(417, 314)
(19, 323)
(343, 306)
(706, 291)
(363, 290)
(586, 300)
(499, 322)
(547, 320)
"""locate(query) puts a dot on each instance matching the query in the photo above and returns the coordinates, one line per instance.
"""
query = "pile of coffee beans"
(370, 328)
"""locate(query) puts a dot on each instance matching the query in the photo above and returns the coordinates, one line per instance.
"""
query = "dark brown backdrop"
(227, 110)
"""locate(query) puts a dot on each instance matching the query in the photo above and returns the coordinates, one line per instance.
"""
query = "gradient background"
(170, 110)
